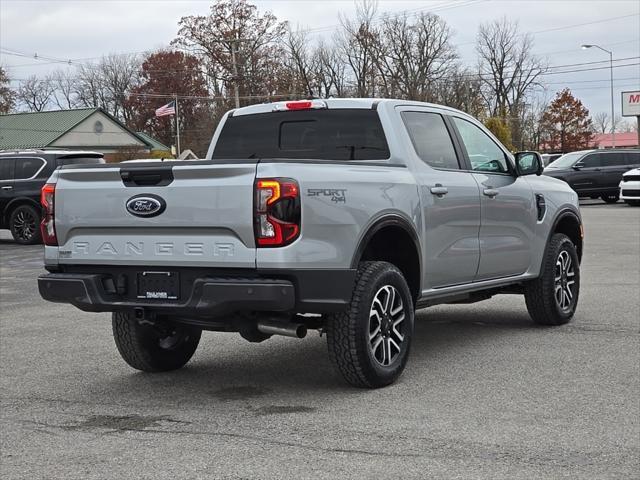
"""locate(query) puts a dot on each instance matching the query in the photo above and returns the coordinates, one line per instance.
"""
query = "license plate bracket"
(158, 285)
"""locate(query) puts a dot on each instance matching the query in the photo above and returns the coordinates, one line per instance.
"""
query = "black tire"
(610, 198)
(540, 294)
(633, 203)
(349, 340)
(153, 348)
(24, 224)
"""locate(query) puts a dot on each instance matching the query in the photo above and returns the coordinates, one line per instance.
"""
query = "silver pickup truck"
(338, 215)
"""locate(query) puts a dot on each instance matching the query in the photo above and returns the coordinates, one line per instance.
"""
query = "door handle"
(439, 190)
(490, 192)
(7, 187)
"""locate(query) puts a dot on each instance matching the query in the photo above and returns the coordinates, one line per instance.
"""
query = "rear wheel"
(369, 342)
(610, 198)
(153, 347)
(552, 298)
(24, 223)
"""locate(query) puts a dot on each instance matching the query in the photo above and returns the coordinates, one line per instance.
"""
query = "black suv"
(595, 173)
(22, 175)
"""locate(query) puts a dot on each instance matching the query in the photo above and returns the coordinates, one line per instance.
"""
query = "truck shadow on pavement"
(280, 366)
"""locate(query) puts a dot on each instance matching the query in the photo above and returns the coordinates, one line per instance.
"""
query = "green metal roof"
(38, 129)
(155, 144)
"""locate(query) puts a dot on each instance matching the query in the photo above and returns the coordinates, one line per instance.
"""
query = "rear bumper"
(304, 291)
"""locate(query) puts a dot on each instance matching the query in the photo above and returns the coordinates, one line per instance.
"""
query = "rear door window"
(614, 159)
(633, 158)
(26, 168)
(431, 139)
(333, 134)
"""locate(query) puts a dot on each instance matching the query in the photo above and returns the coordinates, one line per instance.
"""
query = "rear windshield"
(346, 134)
(78, 160)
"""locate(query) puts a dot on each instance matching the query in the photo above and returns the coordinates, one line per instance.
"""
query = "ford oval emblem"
(146, 205)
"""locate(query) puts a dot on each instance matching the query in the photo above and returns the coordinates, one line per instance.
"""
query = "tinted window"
(348, 134)
(431, 139)
(592, 160)
(483, 152)
(78, 160)
(613, 159)
(6, 166)
(27, 167)
(633, 158)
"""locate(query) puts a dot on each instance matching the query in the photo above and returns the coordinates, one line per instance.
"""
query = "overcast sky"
(87, 29)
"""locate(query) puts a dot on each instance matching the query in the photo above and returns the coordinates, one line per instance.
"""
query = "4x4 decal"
(338, 195)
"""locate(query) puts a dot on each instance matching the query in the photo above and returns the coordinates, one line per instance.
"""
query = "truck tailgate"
(207, 219)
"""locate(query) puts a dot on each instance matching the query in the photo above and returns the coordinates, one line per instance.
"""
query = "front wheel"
(153, 347)
(24, 223)
(610, 198)
(552, 298)
(369, 342)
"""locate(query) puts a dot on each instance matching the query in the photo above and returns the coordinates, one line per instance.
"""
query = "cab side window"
(431, 139)
(484, 154)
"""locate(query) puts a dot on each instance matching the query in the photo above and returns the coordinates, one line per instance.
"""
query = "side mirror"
(578, 166)
(529, 163)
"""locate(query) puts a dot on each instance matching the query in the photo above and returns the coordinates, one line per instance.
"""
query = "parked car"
(630, 187)
(548, 158)
(595, 173)
(343, 215)
(22, 175)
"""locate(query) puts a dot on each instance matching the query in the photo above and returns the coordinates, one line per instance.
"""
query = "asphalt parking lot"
(486, 393)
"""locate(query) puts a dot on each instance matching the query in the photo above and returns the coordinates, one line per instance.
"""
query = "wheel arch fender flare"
(17, 202)
(388, 219)
(565, 213)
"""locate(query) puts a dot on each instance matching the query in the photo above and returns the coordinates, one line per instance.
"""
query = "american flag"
(168, 109)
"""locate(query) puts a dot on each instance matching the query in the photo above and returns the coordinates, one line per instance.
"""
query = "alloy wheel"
(564, 280)
(386, 322)
(24, 225)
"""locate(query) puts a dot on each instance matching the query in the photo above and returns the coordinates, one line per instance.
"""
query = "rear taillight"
(47, 226)
(277, 212)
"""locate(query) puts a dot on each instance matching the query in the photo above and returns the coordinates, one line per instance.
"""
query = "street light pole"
(613, 124)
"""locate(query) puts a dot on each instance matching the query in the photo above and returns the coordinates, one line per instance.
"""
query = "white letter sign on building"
(631, 104)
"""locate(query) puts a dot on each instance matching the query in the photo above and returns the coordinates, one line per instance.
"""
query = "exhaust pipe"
(270, 327)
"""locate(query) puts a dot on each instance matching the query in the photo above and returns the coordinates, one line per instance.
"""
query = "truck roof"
(363, 103)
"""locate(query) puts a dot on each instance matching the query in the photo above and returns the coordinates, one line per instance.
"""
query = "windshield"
(337, 134)
(567, 160)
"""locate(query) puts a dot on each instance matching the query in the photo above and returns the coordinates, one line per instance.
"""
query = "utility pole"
(613, 118)
(236, 92)
(175, 99)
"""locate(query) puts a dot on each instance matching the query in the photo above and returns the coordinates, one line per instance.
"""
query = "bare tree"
(414, 54)
(64, 89)
(508, 69)
(300, 60)
(329, 71)
(461, 89)
(107, 83)
(35, 94)
(358, 42)
(601, 122)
